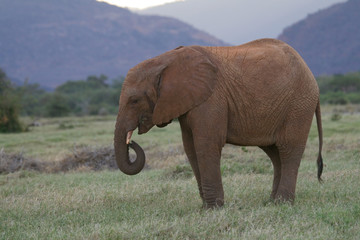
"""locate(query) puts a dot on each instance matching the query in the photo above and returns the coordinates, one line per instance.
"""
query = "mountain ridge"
(50, 42)
(328, 40)
(238, 22)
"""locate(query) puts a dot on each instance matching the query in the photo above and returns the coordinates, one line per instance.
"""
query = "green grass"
(163, 203)
(58, 136)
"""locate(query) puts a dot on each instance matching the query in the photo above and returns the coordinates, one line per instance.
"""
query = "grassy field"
(163, 202)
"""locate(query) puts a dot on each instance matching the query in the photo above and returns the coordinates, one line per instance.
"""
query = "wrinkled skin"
(258, 94)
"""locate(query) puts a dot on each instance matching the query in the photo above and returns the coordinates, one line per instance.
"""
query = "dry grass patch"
(82, 158)
(90, 158)
(13, 162)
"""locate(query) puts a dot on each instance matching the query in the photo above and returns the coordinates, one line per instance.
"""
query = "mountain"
(328, 40)
(240, 21)
(52, 41)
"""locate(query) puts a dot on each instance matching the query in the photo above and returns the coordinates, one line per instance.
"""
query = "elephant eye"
(134, 101)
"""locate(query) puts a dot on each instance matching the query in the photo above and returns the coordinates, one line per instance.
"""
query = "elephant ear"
(187, 80)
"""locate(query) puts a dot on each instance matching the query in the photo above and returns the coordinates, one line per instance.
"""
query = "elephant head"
(155, 92)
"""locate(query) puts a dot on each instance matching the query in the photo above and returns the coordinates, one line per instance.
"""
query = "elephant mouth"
(141, 129)
(164, 124)
(144, 127)
(128, 136)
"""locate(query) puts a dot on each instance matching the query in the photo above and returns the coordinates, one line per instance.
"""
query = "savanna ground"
(162, 202)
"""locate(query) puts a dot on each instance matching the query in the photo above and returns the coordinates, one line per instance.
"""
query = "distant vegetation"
(97, 96)
(92, 96)
(340, 89)
(9, 106)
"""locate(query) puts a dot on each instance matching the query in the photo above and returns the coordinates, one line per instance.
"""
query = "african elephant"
(257, 94)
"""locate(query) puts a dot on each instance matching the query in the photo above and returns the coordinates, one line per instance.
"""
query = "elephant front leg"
(189, 148)
(208, 126)
(208, 156)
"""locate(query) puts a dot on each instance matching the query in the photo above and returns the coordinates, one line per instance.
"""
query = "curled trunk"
(122, 154)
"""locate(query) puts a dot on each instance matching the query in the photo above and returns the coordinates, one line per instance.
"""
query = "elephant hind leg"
(273, 153)
(290, 161)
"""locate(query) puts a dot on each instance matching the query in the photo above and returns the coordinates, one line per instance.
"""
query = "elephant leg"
(209, 128)
(191, 154)
(208, 156)
(291, 142)
(290, 161)
(273, 154)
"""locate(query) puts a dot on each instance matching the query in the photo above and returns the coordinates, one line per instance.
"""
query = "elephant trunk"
(121, 146)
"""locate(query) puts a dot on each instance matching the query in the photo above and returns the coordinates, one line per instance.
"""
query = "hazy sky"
(138, 4)
(240, 21)
(236, 21)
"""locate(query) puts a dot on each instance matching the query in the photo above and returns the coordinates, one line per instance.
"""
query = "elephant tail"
(320, 164)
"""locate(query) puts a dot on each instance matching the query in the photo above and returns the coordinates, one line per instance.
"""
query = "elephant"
(260, 93)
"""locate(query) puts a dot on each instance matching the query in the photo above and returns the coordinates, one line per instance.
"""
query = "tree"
(57, 106)
(30, 96)
(340, 88)
(9, 107)
(97, 81)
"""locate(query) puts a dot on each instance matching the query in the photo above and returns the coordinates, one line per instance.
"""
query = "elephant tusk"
(128, 137)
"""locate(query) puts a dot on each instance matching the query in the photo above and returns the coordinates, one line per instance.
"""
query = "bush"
(9, 108)
(348, 83)
(354, 98)
(338, 98)
(32, 99)
(336, 117)
(340, 89)
(9, 120)
(57, 106)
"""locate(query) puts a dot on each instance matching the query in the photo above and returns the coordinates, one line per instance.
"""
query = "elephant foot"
(273, 195)
(283, 197)
(218, 203)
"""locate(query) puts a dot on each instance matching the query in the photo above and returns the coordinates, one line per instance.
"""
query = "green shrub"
(354, 98)
(338, 98)
(336, 117)
(9, 108)
(9, 120)
(340, 89)
(57, 106)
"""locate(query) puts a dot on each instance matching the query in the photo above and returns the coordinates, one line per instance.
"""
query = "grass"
(163, 203)
(52, 141)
